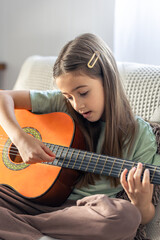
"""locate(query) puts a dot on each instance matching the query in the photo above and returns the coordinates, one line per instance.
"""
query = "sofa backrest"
(36, 73)
(141, 83)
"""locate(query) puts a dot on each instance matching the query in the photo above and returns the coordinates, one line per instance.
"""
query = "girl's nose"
(78, 106)
(81, 108)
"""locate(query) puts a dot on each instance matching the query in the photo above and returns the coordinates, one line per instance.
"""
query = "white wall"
(42, 27)
(1, 40)
(137, 31)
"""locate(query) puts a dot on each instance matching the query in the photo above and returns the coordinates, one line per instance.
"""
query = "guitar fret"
(82, 161)
(134, 163)
(89, 162)
(60, 155)
(65, 156)
(104, 165)
(47, 144)
(76, 160)
(112, 167)
(96, 163)
(153, 173)
(55, 162)
(57, 149)
(51, 147)
(70, 157)
(120, 171)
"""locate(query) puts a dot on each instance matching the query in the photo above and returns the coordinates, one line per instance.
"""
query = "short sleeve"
(47, 101)
(145, 145)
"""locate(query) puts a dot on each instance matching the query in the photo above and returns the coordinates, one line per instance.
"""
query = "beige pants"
(92, 218)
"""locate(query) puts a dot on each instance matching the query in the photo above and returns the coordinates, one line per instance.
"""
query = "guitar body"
(42, 183)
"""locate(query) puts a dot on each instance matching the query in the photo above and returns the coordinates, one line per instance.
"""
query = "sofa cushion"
(156, 115)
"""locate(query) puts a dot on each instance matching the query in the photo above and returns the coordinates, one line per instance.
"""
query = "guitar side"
(42, 183)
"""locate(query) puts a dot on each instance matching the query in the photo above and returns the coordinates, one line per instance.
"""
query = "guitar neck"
(97, 163)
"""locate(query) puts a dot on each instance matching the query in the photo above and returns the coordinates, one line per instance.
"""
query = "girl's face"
(85, 94)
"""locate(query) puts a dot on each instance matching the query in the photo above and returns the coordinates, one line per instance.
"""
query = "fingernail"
(140, 164)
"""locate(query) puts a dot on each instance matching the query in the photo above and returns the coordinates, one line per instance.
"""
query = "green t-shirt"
(143, 150)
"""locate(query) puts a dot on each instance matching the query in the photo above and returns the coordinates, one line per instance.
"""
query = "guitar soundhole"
(10, 154)
(14, 154)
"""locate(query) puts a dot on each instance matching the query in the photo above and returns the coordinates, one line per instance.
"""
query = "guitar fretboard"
(96, 163)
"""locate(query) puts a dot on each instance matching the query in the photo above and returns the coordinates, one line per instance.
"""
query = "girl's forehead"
(76, 76)
(70, 81)
(72, 78)
(73, 74)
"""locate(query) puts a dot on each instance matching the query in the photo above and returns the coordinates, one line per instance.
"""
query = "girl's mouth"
(86, 114)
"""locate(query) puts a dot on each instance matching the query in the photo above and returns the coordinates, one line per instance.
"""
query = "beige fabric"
(153, 228)
(36, 73)
(156, 115)
(142, 85)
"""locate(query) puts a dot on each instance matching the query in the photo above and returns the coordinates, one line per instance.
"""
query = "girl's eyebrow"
(81, 86)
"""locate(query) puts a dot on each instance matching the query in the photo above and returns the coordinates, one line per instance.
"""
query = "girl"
(91, 92)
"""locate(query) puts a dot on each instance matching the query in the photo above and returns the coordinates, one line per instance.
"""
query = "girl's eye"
(83, 94)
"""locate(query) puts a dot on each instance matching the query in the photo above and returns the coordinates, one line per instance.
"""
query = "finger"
(130, 179)
(48, 151)
(123, 179)
(39, 156)
(45, 156)
(137, 175)
(146, 178)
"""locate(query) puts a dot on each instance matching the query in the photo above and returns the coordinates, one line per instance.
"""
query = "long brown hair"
(120, 122)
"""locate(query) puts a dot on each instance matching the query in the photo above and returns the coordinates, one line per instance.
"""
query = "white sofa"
(142, 85)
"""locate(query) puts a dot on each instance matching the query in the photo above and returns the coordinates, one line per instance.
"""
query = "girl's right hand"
(32, 150)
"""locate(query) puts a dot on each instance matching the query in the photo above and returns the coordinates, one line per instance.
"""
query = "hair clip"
(97, 54)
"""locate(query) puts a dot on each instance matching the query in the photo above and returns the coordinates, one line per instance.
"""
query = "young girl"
(91, 92)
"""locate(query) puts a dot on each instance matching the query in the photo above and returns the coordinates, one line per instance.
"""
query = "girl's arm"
(10, 100)
(30, 149)
(139, 192)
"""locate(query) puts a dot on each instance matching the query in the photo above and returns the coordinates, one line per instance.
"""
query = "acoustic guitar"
(51, 183)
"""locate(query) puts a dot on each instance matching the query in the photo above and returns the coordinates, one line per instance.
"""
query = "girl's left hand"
(139, 192)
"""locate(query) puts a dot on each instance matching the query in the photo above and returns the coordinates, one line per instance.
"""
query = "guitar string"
(92, 165)
(116, 172)
(71, 149)
(87, 154)
(154, 178)
(155, 168)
